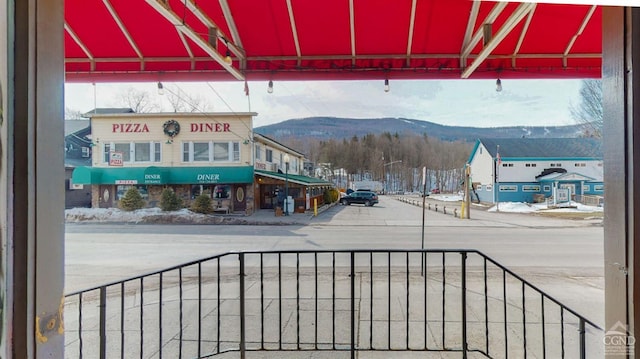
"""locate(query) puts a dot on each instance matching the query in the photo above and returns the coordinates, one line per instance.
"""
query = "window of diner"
(258, 152)
(211, 152)
(147, 151)
(199, 189)
(134, 151)
(221, 151)
(221, 191)
(215, 191)
(201, 152)
(269, 155)
(116, 147)
(121, 190)
(236, 151)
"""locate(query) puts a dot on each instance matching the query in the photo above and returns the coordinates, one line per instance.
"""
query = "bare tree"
(182, 102)
(588, 113)
(137, 100)
(71, 114)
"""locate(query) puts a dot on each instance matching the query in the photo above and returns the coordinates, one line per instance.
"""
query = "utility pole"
(497, 189)
(467, 192)
(424, 200)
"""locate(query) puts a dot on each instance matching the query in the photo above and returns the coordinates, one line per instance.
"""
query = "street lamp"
(286, 184)
(390, 173)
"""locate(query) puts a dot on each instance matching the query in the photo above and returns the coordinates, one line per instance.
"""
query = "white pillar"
(32, 178)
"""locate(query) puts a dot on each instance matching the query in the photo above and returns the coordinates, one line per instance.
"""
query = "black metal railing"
(357, 300)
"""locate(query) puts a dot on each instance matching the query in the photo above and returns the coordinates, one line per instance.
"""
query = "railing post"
(583, 352)
(242, 309)
(103, 322)
(464, 304)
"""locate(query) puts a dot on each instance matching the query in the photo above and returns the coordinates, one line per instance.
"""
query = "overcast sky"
(451, 102)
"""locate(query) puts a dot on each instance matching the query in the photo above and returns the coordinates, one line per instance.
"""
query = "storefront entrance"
(239, 198)
(105, 196)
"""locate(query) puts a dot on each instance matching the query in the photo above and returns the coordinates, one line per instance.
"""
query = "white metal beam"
(512, 21)
(585, 21)
(81, 44)
(206, 20)
(477, 36)
(343, 57)
(231, 24)
(522, 35)
(294, 30)
(352, 28)
(125, 32)
(471, 22)
(191, 34)
(188, 48)
(412, 21)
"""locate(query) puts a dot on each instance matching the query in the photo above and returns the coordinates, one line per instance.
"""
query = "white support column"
(32, 178)
(621, 94)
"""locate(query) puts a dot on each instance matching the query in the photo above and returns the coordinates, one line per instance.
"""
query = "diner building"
(193, 153)
(280, 173)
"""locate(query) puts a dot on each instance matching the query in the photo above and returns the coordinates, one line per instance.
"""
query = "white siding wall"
(102, 131)
(482, 166)
(295, 161)
(519, 172)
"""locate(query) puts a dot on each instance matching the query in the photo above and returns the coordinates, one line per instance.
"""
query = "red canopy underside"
(187, 40)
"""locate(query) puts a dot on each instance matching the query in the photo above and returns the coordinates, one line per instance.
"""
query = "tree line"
(390, 157)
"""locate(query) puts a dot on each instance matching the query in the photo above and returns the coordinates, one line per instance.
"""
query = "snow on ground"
(520, 207)
(186, 216)
(117, 215)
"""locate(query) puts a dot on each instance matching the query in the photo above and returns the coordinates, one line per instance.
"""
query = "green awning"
(156, 175)
(204, 175)
(299, 179)
(85, 175)
(162, 175)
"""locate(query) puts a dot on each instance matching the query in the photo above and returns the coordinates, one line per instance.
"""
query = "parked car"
(435, 191)
(360, 197)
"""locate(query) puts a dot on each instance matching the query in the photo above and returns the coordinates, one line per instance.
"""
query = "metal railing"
(358, 300)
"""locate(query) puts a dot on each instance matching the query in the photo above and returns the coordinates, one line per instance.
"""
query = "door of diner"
(106, 196)
(239, 198)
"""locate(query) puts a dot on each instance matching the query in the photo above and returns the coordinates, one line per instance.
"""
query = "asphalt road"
(563, 257)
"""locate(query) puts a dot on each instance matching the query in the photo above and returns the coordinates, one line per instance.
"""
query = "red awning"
(188, 40)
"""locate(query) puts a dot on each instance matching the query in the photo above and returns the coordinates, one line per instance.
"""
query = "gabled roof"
(266, 140)
(565, 177)
(556, 148)
(76, 162)
(108, 110)
(73, 126)
(299, 179)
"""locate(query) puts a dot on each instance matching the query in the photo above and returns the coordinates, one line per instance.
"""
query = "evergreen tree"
(169, 201)
(132, 200)
(202, 204)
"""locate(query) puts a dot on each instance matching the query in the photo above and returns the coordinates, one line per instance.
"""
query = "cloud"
(449, 102)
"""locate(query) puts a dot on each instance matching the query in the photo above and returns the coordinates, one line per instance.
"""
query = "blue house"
(530, 169)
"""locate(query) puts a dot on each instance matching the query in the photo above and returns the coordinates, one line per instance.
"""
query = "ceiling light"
(270, 87)
(228, 58)
(160, 88)
(386, 85)
(498, 85)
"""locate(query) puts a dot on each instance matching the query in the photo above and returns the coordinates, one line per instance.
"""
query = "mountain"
(325, 128)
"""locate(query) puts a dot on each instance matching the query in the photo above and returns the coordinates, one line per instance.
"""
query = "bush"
(132, 200)
(202, 204)
(169, 201)
(331, 195)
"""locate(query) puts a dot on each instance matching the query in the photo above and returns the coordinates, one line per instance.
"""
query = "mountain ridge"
(325, 128)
